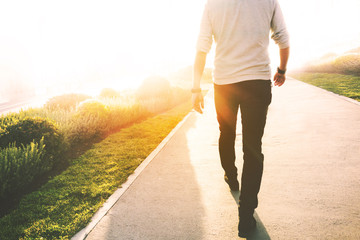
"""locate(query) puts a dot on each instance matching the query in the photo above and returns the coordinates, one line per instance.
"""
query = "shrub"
(322, 68)
(121, 115)
(109, 93)
(20, 165)
(24, 131)
(344, 64)
(65, 102)
(67, 202)
(92, 108)
(348, 64)
(89, 121)
(9, 119)
(60, 117)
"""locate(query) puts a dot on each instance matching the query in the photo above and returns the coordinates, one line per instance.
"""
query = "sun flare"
(67, 46)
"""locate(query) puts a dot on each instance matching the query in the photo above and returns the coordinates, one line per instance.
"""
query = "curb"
(125, 186)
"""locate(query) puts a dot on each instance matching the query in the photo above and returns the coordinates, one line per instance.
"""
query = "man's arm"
(280, 78)
(199, 65)
(281, 37)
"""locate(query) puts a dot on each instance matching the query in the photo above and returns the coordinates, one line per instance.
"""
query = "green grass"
(65, 204)
(78, 124)
(346, 85)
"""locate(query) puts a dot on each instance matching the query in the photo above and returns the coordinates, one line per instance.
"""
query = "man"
(242, 76)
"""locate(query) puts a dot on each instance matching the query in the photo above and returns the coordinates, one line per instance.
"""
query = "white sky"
(78, 43)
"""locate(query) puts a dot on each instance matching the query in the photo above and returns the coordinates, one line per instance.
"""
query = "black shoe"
(233, 183)
(246, 226)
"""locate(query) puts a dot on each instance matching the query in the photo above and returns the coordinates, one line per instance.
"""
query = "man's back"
(242, 81)
(241, 31)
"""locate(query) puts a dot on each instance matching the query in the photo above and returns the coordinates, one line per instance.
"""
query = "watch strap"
(281, 71)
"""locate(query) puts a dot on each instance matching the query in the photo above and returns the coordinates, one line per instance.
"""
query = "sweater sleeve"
(205, 40)
(278, 28)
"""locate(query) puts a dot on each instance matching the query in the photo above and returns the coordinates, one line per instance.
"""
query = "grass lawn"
(346, 85)
(65, 204)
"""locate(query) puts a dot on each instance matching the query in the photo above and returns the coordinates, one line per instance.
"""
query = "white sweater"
(241, 30)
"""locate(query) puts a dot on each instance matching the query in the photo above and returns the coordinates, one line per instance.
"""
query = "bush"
(348, 64)
(65, 204)
(109, 93)
(92, 108)
(24, 131)
(345, 64)
(322, 68)
(90, 121)
(65, 102)
(121, 115)
(20, 165)
(9, 119)
(59, 116)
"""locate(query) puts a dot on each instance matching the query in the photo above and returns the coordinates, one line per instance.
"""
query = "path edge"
(111, 201)
(327, 91)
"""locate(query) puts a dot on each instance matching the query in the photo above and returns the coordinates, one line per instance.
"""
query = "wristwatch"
(281, 71)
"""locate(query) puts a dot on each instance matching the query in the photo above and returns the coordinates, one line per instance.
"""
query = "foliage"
(66, 203)
(10, 119)
(345, 85)
(345, 64)
(94, 118)
(22, 131)
(20, 165)
(65, 102)
(92, 108)
(122, 115)
(18, 134)
(81, 126)
(89, 121)
(348, 64)
(59, 116)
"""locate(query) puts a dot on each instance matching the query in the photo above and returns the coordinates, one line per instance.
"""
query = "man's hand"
(198, 102)
(279, 79)
(197, 97)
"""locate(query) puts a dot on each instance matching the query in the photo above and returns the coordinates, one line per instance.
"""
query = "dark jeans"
(253, 97)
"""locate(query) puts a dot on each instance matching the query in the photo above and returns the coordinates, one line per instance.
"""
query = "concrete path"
(311, 182)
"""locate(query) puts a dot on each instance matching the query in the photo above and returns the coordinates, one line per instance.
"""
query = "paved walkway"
(311, 182)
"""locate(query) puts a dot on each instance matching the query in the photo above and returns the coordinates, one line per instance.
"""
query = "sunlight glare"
(78, 45)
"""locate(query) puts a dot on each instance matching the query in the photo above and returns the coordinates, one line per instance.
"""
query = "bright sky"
(74, 44)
